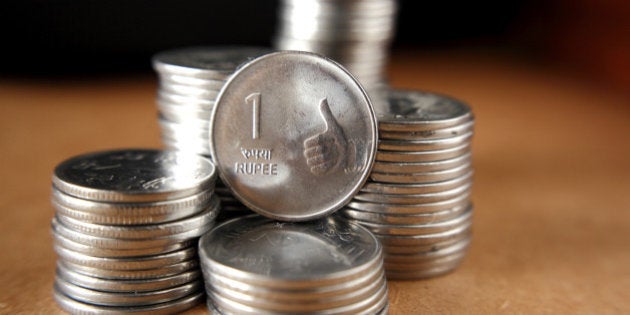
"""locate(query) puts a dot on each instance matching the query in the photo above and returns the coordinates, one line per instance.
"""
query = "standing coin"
(293, 135)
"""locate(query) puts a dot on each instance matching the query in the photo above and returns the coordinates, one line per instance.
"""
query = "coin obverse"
(294, 135)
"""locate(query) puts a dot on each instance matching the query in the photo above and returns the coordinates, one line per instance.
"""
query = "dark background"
(95, 37)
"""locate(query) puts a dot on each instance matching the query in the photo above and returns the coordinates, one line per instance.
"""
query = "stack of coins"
(417, 199)
(126, 227)
(355, 33)
(189, 82)
(254, 265)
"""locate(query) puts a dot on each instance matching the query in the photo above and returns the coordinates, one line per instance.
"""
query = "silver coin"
(418, 167)
(414, 249)
(62, 241)
(161, 272)
(418, 188)
(208, 84)
(422, 273)
(457, 130)
(422, 156)
(422, 177)
(134, 175)
(196, 129)
(402, 218)
(73, 306)
(459, 201)
(418, 229)
(131, 213)
(184, 100)
(287, 122)
(125, 244)
(415, 198)
(197, 221)
(324, 251)
(204, 62)
(125, 263)
(458, 248)
(424, 145)
(139, 285)
(126, 298)
(181, 114)
(418, 111)
(189, 91)
(306, 305)
(372, 275)
(453, 258)
(456, 233)
(366, 306)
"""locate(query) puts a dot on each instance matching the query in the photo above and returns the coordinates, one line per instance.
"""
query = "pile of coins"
(126, 230)
(417, 200)
(356, 34)
(189, 82)
(254, 265)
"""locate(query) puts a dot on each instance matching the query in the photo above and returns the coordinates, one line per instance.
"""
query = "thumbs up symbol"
(326, 151)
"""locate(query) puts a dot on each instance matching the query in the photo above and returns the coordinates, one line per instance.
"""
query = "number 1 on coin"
(254, 100)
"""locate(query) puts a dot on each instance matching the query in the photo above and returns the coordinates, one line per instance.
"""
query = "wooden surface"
(552, 183)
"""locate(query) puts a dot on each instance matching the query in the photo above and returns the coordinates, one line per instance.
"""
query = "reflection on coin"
(416, 188)
(418, 111)
(204, 62)
(75, 307)
(322, 251)
(134, 175)
(289, 122)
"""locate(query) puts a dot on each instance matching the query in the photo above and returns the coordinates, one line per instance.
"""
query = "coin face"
(294, 135)
(418, 111)
(204, 62)
(134, 175)
(312, 251)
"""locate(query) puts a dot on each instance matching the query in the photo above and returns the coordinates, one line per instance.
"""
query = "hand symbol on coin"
(326, 152)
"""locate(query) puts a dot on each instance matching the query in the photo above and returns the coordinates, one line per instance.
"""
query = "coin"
(420, 111)
(403, 218)
(134, 175)
(422, 177)
(414, 198)
(418, 167)
(460, 129)
(287, 122)
(139, 285)
(418, 229)
(75, 307)
(416, 188)
(331, 250)
(162, 271)
(459, 201)
(204, 62)
(422, 156)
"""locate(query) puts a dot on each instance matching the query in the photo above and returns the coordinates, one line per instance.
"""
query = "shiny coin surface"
(416, 188)
(422, 177)
(286, 123)
(419, 167)
(140, 285)
(134, 175)
(457, 130)
(75, 307)
(204, 62)
(417, 111)
(289, 255)
(163, 271)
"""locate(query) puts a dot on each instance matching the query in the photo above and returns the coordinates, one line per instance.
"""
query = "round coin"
(322, 252)
(75, 307)
(419, 111)
(293, 135)
(134, 175)
(204, 62)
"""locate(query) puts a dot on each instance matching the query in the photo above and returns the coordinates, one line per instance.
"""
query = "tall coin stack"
(417, 201)
(255, 265)
(126, 230)
(189, 82)
(356, 34)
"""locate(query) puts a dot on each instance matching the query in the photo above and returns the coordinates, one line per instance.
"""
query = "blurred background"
(44, 38)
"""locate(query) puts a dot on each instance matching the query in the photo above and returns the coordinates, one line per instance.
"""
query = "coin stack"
(126, 230)
(417, 200)
(254, 265)
(189, 82)
(356, 34)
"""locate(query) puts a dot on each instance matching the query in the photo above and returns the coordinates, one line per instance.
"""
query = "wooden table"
(551, 193)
